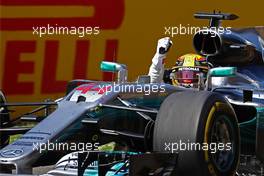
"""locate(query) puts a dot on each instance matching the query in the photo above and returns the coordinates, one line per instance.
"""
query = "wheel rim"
(222, 132)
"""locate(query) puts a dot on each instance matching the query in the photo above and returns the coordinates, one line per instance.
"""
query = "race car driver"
(187, 72)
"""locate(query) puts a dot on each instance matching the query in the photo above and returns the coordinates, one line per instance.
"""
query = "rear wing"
(215, 18)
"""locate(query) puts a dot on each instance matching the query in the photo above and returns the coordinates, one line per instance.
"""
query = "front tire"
(195, 120)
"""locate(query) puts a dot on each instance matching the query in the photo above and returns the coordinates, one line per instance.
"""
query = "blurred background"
(34, 68)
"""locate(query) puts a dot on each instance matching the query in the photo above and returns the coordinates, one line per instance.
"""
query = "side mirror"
(109, 66)
(219, 72)
(115, 67)
(222, 72)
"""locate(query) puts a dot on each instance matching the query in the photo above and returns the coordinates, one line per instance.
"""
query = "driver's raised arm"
(156, 69)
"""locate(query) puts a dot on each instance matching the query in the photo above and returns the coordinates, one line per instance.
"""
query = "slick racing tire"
(202, 128)
(4, 119)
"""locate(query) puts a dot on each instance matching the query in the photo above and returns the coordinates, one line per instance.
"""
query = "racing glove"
(156, 69)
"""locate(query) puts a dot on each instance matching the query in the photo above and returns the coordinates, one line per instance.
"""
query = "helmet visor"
(187, 76)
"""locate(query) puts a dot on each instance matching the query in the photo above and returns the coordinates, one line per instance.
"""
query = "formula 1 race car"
(208, 128)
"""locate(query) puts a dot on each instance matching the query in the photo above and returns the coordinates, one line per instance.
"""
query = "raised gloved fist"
(164, 45)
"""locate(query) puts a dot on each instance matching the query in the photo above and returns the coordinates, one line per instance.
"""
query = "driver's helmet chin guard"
(189, 70)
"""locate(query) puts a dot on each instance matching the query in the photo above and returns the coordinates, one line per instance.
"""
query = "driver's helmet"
(189, 71)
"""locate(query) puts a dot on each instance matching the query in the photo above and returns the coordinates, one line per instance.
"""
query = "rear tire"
(201, 118)
(4, 119)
